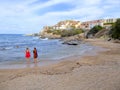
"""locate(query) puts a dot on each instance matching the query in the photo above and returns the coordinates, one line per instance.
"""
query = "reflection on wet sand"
(28, 65)
(34, 66)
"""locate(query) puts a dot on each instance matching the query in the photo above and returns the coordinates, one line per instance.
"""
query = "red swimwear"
(27, 54)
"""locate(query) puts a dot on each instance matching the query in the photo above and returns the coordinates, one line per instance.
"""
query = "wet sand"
(99, 72)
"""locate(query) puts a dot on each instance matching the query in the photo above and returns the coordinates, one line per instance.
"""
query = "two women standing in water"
(28, 55)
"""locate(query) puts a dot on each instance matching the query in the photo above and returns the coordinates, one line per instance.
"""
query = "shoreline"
(93, 50)
(105, 65)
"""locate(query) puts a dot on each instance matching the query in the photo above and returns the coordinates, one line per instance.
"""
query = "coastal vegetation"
(65, 33)
(108, 23)
(94, 30)
(108, 29)
(115, 30)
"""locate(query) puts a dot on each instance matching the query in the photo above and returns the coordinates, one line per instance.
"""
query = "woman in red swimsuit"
(27, 55)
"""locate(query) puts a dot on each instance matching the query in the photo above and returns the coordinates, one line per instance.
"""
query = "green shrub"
(49, 31)
(94, 30)
(67, 33)
(108, 23)
(115, 31)
(57, 32)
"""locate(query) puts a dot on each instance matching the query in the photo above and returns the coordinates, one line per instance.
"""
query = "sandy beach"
(99, 72)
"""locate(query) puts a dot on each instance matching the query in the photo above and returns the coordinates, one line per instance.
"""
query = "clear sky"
(29, 16)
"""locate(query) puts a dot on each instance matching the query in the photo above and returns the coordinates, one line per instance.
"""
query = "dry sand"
(100, 72)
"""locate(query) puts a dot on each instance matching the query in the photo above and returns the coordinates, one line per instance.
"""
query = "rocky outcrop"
(73, 40)
(50, 36)
(102, 33)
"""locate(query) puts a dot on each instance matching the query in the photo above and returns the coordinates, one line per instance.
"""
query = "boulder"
(71, 42)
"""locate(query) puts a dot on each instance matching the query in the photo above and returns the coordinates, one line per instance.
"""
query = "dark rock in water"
(109, 39)
(71, 42)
